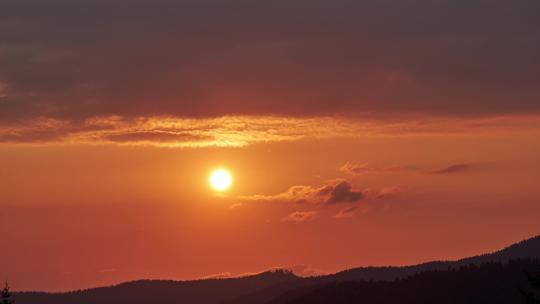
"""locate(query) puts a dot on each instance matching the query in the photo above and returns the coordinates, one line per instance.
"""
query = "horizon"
(299, 271)
(183, 139)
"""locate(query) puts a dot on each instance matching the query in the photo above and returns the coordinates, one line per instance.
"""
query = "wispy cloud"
(235, 131)
(300, 216)
(238, 131)
(329, 194)
(388, 192)
(360, 169)
(457, 168)
(364, 169)
(346, 213)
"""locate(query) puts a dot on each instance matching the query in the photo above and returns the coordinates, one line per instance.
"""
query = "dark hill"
(494, 283)
(525, 249)
(154, 291)
(282, 286)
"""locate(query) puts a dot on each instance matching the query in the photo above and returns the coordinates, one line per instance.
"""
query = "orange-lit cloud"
(360, 169)
(346, 213)
(300, 216)
(388, 192)
(363, 169)
(331, 193)
(237, 131)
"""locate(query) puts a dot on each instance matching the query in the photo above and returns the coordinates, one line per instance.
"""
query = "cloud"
(457, 168)
(355, 169)
(346, 213)
(202, 59)
(360, 169)
(174, 132)
(300, 216)
(238, 131)
(342, 193)
(235, 206)
(299, 194)
(329, 194)
(388, 192)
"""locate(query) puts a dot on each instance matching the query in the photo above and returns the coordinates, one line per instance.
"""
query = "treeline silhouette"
(500, 277)
(487, 283)
(495, 282)
(532, 294)
(209, 291)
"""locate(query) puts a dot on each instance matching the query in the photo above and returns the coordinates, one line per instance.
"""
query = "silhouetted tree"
(6, 295)
(530, 296)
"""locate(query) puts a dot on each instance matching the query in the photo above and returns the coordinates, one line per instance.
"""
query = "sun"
(220, 180)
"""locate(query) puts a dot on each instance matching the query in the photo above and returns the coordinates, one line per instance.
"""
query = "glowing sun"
(220, 180)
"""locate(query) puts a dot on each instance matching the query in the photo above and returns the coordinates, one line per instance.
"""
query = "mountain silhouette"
(161, 291)
(525, 249)
(493, 282)
(499, 275)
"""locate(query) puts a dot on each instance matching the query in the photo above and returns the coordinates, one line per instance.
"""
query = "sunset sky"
(357, 133)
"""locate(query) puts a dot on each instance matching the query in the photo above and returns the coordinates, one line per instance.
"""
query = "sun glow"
(220, 180)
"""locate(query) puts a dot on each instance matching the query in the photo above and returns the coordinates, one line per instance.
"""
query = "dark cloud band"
(79, 59)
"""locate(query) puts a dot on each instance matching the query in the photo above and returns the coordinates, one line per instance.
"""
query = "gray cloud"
(79, 59)
(457, 168)
(362, 169)
(342, 193)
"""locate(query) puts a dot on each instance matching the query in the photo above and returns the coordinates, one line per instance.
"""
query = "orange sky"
(81, 215)
(358, 133)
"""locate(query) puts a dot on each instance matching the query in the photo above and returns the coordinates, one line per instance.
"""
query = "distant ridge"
(524, 249)
(487, 283)
(264, 287)
(529, 248)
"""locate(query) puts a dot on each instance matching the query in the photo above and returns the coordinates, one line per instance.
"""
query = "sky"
(358, 133)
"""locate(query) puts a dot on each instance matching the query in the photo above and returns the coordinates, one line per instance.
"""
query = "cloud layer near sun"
(329, 194)
(315, 199)
(237, 131)
(245, 72)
